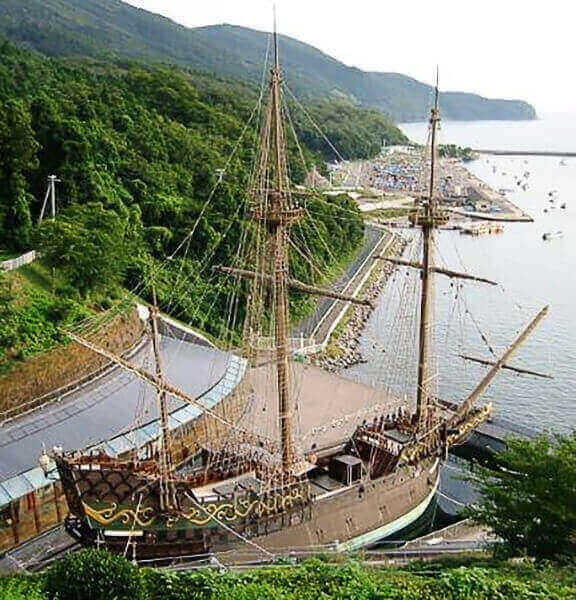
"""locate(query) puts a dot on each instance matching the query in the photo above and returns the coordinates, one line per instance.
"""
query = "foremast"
(428, 218)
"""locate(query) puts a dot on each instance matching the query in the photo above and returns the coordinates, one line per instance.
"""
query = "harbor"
(535, 403)
(387, 187)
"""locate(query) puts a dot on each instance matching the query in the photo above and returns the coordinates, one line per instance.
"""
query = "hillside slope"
(140, 150)
(86, 28)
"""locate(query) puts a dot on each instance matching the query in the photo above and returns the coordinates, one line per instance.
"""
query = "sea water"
(531, 272)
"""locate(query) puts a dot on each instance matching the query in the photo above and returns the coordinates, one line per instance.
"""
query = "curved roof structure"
(116, 411)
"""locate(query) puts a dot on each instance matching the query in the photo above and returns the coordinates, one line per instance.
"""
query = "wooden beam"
(15, 522)
(294, 284)
(36, 513)
(56, 505)
(489, 377)
(509, 367)
(408, 263)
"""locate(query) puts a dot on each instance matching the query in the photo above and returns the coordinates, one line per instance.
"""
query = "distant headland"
(113, 28)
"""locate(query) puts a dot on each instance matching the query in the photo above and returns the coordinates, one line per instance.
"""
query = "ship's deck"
(329, 408)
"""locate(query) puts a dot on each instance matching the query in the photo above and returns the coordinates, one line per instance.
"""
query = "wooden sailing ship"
(239, 489)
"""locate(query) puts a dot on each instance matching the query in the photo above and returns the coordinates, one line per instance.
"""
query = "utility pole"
(50, 196)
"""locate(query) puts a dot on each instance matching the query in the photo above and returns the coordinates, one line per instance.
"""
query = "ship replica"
(235, 489)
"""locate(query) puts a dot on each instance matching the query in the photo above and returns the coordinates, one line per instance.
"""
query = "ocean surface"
(479, 320)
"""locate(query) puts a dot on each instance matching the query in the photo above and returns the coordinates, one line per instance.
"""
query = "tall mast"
(428, 224)
(276, 213)
(165, 454)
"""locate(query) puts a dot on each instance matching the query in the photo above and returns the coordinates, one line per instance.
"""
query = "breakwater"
(557, 153)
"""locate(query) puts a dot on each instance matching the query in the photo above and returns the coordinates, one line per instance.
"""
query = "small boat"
(545, 210)
(552, 235)
(563, 205)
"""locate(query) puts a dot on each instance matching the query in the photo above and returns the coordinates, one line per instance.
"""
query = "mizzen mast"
(165, 452)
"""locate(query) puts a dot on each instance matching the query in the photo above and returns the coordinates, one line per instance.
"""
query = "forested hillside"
(139, 150)
(111, 27)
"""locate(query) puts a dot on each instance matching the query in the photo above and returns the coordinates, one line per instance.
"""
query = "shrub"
(93, 575)
(528, 498)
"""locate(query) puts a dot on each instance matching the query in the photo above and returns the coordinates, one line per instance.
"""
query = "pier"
(553, 153)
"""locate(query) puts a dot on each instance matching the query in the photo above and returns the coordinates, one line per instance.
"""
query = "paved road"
(105, 407)
(308, 326)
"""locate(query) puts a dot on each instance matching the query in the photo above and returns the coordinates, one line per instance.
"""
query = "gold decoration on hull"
(143, 517)
(243, 507)
(204, 514)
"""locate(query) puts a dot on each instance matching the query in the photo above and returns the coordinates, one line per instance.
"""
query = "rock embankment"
(343, 350)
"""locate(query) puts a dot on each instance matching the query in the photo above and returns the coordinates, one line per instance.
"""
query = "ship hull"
(345, 519)
(354, 519)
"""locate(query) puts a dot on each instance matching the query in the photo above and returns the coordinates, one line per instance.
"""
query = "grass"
(389, 213)
(39, 276)
(31, 313)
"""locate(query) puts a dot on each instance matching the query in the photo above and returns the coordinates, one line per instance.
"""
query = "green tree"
(17, 159)
(89, 245)
(148, 143)
(529, 498)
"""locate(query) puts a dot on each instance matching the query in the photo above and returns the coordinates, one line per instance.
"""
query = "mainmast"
(276, 212)
(428, 221)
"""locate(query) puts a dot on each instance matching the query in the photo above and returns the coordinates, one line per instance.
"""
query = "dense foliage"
(91, 245)
(95, 575)
(139, 151)
(347, 129)
(528, 497)
(31, 314)
(106, 27)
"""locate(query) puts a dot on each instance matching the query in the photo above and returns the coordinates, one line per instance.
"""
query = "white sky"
(498, 48)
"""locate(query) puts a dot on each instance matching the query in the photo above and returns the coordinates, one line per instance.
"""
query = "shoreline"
(342, 349)
(389, 185)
